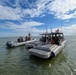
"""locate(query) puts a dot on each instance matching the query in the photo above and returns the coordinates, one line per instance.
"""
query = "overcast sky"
(19, 17)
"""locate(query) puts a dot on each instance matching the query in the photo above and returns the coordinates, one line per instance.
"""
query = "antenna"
(51, 30)
(46, 29)
(61, 23)
(50, 27)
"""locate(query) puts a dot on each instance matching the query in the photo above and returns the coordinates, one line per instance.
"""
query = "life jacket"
(52, 42)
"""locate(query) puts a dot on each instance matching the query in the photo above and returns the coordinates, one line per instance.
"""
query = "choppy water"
(17, 61)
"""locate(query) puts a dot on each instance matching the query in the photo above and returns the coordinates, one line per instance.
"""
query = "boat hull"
(11, 44)
(59, 48)
(47, 52)
(41, 54)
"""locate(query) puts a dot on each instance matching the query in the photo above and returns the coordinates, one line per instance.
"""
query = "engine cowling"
(9, 43)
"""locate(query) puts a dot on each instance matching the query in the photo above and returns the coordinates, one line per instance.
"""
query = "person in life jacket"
(52, 40)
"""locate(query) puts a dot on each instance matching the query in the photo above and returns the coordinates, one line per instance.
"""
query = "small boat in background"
(15, 44)
(53, 44)
(20, 41)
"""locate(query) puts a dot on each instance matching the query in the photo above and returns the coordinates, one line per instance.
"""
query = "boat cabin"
(54, 37)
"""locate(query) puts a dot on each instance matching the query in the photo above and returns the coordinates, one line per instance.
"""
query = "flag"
(57, 31)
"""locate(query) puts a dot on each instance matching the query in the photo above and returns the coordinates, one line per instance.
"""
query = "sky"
(19, 17)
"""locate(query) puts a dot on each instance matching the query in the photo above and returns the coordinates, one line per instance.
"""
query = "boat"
(20, 41)
(33, 44)
(15, 44)
(51, 47)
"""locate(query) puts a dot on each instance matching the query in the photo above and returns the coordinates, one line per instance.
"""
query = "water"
(17, 61)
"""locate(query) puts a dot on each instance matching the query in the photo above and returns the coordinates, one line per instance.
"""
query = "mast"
(46, 30)
(51, 30)
(61, 23)
(50, 27)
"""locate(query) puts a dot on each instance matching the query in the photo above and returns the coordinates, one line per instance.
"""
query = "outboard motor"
(9, 43)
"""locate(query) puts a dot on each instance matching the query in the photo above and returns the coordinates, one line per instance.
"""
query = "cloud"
(18, 13)
(31, 27)
(69, 30)
(20, 9)
(9, 13)
(23, 28)
(63, 9)
(26, 26)
(37, 9)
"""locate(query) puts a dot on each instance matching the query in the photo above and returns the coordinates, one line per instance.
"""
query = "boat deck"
(47, 47)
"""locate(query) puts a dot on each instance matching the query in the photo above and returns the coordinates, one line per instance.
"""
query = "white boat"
(47, 50)
(33, 44)
(15, 44)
